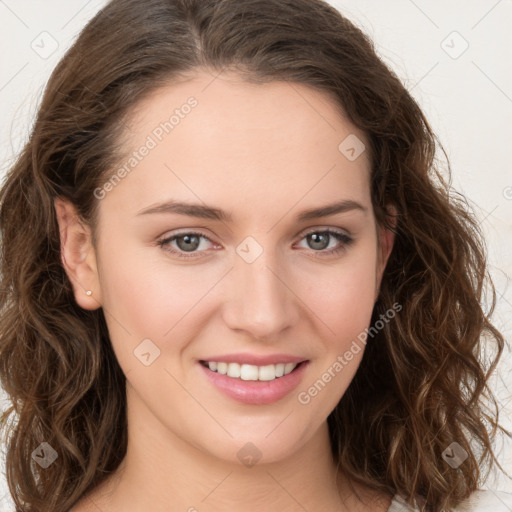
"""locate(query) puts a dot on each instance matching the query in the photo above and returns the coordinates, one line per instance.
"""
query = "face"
(245, 274)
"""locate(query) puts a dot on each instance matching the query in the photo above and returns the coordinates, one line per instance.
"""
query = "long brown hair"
(422, 381)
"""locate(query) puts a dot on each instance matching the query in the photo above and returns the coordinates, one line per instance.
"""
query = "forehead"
(221, 140)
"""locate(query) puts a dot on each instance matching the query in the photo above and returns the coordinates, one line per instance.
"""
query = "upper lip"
(256, 360)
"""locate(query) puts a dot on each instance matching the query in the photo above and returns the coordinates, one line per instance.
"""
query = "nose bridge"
(261, 302)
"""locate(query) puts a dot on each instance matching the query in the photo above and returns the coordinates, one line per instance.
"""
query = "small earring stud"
(88, 292)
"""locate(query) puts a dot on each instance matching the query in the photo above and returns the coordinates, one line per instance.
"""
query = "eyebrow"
(210, 212)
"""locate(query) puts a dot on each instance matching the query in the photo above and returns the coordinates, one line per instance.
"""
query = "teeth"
(233, 370)
(248, 371)
(267, 372)
(251, 372)
(288, 367)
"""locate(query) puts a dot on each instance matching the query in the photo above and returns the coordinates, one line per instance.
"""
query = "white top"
(479, 501)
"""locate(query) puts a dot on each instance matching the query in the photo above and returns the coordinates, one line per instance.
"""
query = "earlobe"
(78, 255)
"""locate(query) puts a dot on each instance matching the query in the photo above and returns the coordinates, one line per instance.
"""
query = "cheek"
(140, 286)
(343, 302)
(144, 296)
(343, 296)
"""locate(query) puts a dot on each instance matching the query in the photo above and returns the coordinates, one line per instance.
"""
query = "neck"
(169, 471)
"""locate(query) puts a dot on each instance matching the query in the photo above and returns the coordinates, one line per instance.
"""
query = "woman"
(234, 278)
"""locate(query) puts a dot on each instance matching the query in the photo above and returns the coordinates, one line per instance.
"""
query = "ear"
(78, 255)
(386, 241)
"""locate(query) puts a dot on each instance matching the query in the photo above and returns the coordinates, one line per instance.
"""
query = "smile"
(252, 384)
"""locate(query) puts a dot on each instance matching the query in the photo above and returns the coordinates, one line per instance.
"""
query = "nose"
(260, 301)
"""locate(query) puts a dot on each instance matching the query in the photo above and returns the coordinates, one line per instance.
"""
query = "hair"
(422, 382)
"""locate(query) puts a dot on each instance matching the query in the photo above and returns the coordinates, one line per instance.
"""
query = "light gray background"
(465, 93)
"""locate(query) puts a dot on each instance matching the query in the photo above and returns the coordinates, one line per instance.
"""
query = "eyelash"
(345, 240)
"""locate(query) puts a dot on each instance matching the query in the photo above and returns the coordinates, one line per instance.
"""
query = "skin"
(264, 153)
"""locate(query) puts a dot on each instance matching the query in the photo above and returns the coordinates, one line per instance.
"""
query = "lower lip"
(256, 392)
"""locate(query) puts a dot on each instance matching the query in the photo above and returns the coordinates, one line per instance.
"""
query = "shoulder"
(479, 501)
(483, 501)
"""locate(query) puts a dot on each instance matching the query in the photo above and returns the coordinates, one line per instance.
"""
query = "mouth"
(252, 384)
(250, 372)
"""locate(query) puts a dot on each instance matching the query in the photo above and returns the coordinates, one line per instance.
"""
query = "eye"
(320, 240)
(189, 243)
(186, 242)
